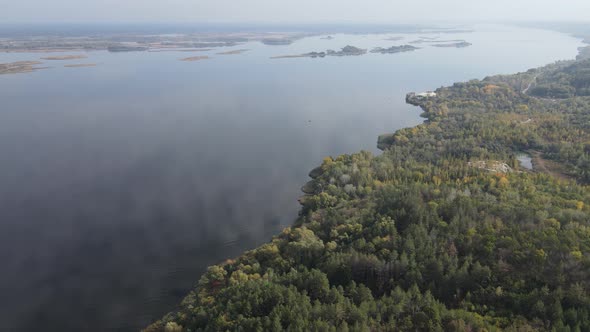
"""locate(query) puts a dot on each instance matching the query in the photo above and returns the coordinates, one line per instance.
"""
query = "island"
(445, 230)
(345, 51)
(157, 50)
(80, 65)
(126, 48)
(394, 49)
(210, 44)
(277, 41)
(422, 40)
(195, 58)
(65, 57)
(233, 52)
(460, 44)
(436, 40)
(19, 67)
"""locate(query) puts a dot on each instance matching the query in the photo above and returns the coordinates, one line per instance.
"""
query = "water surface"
(525, 160)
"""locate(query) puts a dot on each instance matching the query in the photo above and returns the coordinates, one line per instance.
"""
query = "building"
(426, 94)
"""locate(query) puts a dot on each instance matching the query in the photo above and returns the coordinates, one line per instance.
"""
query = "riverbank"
(419, 238)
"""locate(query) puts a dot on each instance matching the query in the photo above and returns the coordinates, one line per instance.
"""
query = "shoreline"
(310, 190)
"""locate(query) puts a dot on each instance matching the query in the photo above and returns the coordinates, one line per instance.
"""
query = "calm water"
(525, 160)
(120, 183)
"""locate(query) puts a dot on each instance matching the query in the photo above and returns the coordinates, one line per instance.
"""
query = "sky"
(290, 11)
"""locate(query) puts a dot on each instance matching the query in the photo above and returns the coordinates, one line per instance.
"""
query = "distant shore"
(141, 43)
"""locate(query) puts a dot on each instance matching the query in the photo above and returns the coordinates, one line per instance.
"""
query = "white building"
(426, 94)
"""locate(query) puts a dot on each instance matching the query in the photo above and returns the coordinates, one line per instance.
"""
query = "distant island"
(432, 40)
(277, 41)
(351, 51)
(233, 52)
(345, 51)
(19, 67)
(195, 58)
(179, 50)
(124, 48)
(460, 44)
(80, 65)
(65, 57)
(214, 44)
(396, 38)
(394, 49)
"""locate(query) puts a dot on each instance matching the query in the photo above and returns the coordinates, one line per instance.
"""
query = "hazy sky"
(293, 11)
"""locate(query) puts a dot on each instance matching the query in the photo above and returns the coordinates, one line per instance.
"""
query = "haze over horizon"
(302, 11)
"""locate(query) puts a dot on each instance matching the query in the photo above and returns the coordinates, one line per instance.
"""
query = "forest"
(444, 231)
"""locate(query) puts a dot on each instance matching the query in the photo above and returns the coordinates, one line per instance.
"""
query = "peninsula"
(444, 231)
